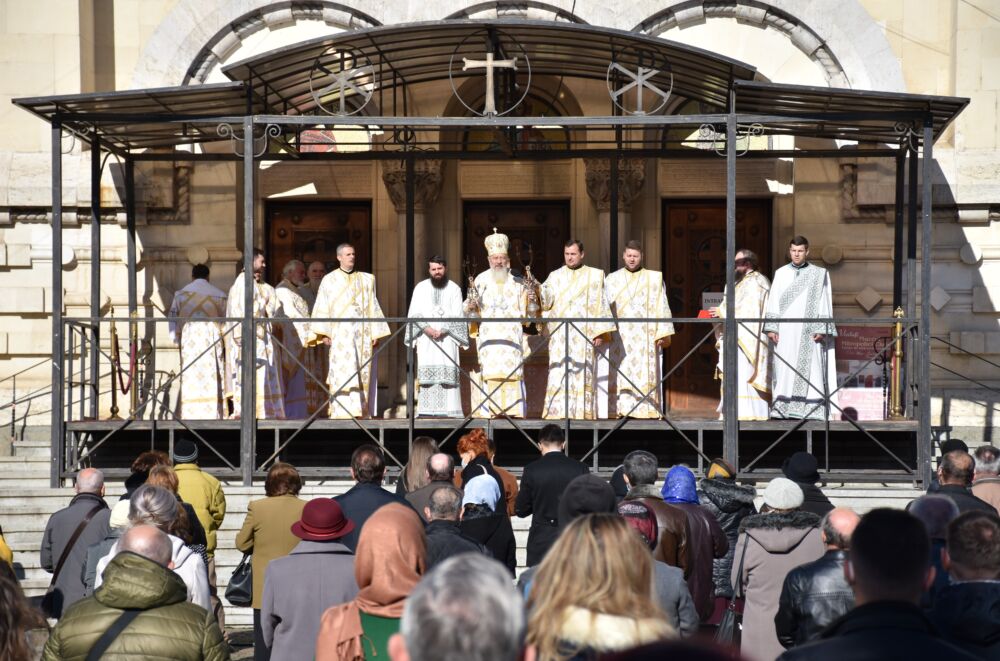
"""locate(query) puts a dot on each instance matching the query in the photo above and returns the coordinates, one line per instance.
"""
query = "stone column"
(631, 177)
(427, 187)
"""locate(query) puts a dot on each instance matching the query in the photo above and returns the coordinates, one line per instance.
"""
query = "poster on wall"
(862, 396)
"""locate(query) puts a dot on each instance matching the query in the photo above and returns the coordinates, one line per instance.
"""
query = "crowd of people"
(317, 335)
(615, 568)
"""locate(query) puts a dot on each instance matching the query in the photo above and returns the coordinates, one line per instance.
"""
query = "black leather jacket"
(813, 596)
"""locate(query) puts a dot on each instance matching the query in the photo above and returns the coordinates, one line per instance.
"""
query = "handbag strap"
(72, 541)
(738, 588)
(108, 637)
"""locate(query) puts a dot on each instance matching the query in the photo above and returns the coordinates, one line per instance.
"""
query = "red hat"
(322, 520)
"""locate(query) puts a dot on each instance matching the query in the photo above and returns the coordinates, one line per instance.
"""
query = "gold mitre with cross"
(497, 244)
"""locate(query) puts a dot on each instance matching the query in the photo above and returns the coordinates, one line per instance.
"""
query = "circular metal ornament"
(335, 70)
(490, 66)
(648, 64)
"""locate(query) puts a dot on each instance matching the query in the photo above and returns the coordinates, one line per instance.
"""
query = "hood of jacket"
(969, 612)
(779, 532)
(584, 628)
(132, 581)
(679, 486)
(726, 494)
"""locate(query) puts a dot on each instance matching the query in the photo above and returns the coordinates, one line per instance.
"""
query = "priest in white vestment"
(576, 290)
(348, 295)
(437, 342)
(314, 277)
(498, 387)
(293, 334)
(805, 367)
(317, 357)
(753, 364)
(269, 396)
(634, 292)
(199, 306)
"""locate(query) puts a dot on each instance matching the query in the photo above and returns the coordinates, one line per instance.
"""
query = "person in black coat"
(481, 521)
(361, 500)
(474, 449)
(444, 539)
(954, 474)
(802, 468)
(888, 569)
(542, 484)
(816, 593)
(730, 503)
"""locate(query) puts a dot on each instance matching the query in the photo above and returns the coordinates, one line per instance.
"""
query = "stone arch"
(199, 34)
(529, 9)
(841, 38)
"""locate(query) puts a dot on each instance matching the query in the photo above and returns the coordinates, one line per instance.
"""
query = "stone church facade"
(191, 213)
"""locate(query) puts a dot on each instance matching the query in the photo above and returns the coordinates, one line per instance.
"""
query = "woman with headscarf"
(388, 564)
(706, 540)
(730, 503)
(481, 522)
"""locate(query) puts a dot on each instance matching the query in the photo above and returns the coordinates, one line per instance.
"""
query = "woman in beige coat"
(775, 541)
(267, 533)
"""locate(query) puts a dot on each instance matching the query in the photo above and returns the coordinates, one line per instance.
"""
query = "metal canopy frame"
(268, 106)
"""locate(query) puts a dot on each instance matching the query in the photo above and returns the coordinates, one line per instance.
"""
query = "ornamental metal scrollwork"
(908, 133)
(340, 72)
(518, 63)
(717, 140)
(236, 138)
(648, 65)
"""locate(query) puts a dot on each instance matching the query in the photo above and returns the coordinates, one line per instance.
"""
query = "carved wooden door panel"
(312, 231)
(695, 248)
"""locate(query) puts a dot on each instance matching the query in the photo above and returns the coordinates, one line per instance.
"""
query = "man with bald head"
(157, 619)
(64, 549)
(440, 472)
(817, 593)
(954, 474)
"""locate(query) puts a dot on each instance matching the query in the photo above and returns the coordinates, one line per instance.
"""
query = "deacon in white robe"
(753, 373)
(269, 396)
(437, 342)
(200, 305)
(293, 335)
(637, 347)
(498, 387)
(347, 295)
(804, 361)
(576, 290)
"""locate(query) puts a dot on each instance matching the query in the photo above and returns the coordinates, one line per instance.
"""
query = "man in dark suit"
(542, 484)
(954, 474)
(361, 501)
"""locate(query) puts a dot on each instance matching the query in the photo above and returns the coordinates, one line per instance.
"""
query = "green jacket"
(172, 628)
(204, 493)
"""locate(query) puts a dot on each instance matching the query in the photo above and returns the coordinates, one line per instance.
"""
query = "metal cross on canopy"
(640, 79)
(342, 82)
(490, 109)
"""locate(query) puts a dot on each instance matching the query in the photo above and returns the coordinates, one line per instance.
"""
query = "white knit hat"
(783, 494)
(119, 514)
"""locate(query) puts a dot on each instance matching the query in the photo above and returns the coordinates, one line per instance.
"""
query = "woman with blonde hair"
(414, 474)
(593, 593)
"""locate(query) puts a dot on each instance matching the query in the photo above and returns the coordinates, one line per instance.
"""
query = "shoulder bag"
(731, 625)
(239, 592)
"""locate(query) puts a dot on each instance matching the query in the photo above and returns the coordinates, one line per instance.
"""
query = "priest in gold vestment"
(317, 357)
(269, 396)
(637, 348)
(293, 335)
(349, 295)
(498, 387)
(199, 305)
(576, 290)
(753, 382)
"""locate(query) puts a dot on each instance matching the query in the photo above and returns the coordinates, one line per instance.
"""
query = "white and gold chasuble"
(576, 293)
(352, 371)
(636, 361)
(199, 335)
(293, 335)
(753, 384)
(269, 395)
(317, 363)
(500, 349)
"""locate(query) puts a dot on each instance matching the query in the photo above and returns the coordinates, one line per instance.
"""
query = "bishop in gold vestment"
(637, 349)
(577, 350)
(199, 305)
(269, 396)
(348, 295)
